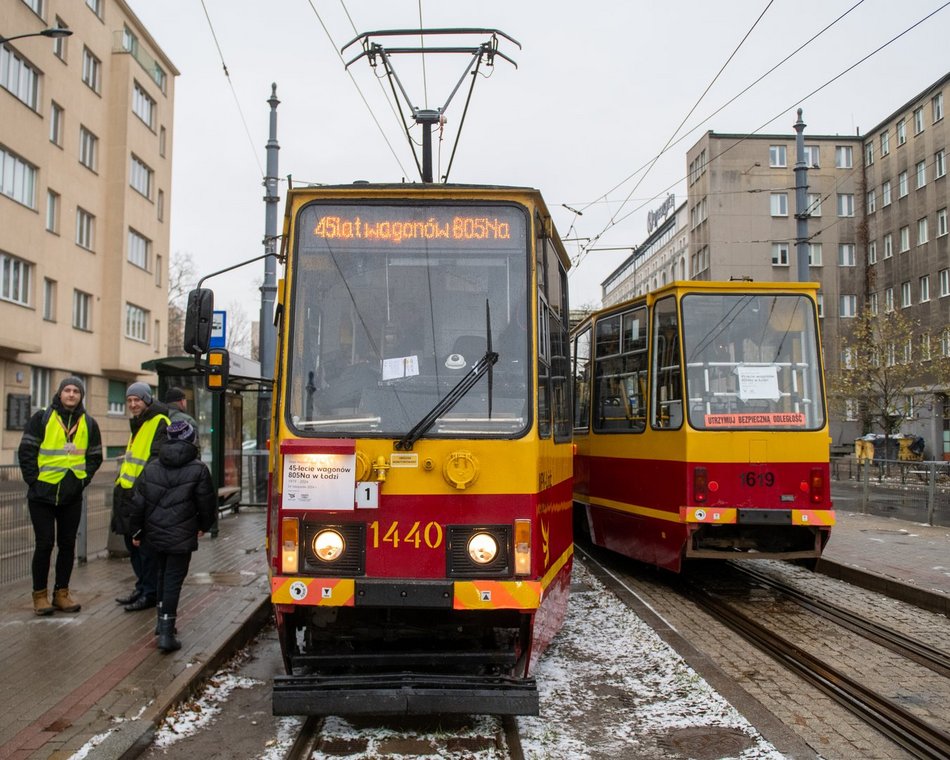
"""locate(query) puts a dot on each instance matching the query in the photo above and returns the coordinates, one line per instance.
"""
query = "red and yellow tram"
(419, 520)
(700, 424)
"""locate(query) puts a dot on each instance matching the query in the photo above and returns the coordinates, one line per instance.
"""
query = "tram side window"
(554, 385)
(621, 372)
(582, 380)
(666, 370)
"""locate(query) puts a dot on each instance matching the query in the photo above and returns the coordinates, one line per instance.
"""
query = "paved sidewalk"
(68, 678)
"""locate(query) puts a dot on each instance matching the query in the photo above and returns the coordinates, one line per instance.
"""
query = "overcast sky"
(600, 89)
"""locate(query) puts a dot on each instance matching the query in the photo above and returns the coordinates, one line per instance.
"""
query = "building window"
(143, 106)
(888, 245)
(139, 249)
(925, 347)
(868, 153)
(777, 156)
(902, 184)
(136, 323)
(814, 254)
(918, 120)
(814, 204)
(943, 277)
(780, 254)
(846, 254)
(52, 211)
(700, 260)
(843, 157)
(161, 142)
(88, 149)
(116, 397)
(936, 106)
(940, 164)
(161, 206)
(56, 124)
(158, 271)
(845, 204)
(872, 252)
(40, 379)
(779, 204)
(821, 305)
(942, 222)
(17, 178)
(901, 132)
(129, 41)
(922, 231)
(140, 177)
(888, 299)
(91, 70)
(15, 278)
(885, 143)
(872, 304)
(872, 201)
(59, 43)
(49, 299)
(945, 342)
(924, 283)
(921, 174)
(905, 239)
(908, 358)
(82, 310)
(848, 306)
(85, 229)
(18, 77)
(886, 194)
(905, 294)
(812, 156)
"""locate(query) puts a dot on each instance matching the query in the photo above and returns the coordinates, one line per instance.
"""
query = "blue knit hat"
(182, 430)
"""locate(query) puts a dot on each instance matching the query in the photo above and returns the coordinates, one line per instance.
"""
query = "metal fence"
(16, 529)
(908, 490)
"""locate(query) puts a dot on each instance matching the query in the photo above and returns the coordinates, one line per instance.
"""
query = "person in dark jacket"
(173, 504)
(148, 419)
(60, 451)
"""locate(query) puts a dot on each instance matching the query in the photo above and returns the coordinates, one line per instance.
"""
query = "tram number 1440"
(416, 537)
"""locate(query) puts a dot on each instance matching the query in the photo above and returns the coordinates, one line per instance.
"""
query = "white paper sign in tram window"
(403, 366)
(758, 382)
(319, 481)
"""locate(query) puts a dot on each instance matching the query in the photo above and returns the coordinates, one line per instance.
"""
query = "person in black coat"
(173, 504)
(60, 451)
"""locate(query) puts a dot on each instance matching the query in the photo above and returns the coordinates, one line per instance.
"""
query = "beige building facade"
(85, 190)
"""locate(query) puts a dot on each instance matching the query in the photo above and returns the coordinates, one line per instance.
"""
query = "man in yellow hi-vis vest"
(148, 419)
(60, 451)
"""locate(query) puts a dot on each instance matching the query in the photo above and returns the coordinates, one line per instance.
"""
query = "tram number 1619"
(753, 479)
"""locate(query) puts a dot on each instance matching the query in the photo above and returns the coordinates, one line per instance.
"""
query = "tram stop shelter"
(239, 470)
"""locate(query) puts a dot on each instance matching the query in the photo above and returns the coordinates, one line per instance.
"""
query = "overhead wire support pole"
(801, 201)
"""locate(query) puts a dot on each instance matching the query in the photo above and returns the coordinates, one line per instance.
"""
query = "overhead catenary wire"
(818, 89)
(227, 75)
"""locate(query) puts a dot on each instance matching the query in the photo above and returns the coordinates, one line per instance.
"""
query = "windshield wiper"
(482, 366)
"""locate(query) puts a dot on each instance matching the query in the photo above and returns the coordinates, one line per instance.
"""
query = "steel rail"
(913, 649)
(307, 739)
(915, 735)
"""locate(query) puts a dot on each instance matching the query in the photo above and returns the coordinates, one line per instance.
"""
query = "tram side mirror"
(198, 315)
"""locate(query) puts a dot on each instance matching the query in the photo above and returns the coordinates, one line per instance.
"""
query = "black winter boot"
(166, 634)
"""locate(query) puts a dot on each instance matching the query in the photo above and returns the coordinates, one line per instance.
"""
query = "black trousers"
(172, 569)
(144, 567)
(54, 525)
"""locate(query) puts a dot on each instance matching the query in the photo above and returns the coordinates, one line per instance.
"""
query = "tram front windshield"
(393, 305)
(752, 362)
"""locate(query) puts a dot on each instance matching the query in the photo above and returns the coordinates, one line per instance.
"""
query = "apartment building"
(877, 234)
(86, 152)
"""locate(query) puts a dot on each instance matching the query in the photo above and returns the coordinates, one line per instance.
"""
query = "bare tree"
(884, 359)
(181, 278)
(239, 330)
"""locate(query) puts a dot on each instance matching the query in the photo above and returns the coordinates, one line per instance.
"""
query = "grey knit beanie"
(73, 380)
(142, 391)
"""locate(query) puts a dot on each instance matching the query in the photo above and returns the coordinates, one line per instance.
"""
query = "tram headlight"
(328, 545)
(482, 548)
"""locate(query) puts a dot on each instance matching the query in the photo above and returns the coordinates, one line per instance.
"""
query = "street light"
(54, 32)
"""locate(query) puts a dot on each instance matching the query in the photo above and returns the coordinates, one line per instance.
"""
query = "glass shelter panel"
(393, 304)
(752, 362)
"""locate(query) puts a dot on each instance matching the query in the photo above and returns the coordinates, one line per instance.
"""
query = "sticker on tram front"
(298, 590)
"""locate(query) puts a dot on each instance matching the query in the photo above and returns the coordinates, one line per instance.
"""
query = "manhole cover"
(706, 742)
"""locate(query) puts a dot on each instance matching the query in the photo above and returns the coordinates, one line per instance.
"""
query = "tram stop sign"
(219, 329)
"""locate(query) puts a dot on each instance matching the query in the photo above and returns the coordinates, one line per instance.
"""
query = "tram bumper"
(404, 694)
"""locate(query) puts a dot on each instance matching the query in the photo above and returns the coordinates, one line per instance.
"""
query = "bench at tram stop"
(229, 498)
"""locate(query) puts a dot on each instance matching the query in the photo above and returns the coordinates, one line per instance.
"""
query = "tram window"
(621, 377)
(608, 336)
(666, 370)
(582, 380)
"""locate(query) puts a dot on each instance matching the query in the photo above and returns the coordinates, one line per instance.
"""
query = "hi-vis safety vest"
(57, 455)
(138, 451)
